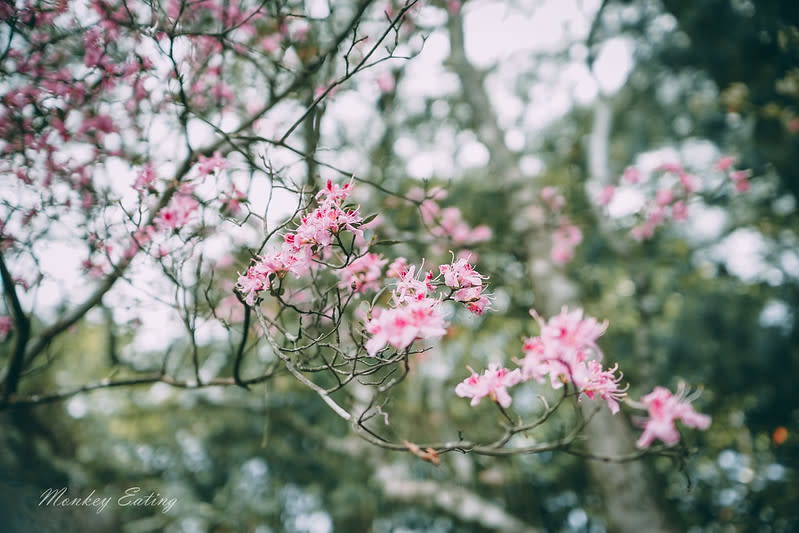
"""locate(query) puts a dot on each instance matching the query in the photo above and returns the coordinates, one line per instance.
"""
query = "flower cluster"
(668, 201)
(401, 325)
(409, 287)
(564, 240)
(739, 178)
(565, 352)
(493, 383)
(209, 165)
(323, 224)
(416, 311)
(178, 213)
(415, 314)
(447, 222)
(232, 201)
(567, 236)
(671, 193)
(309, 241)
(467, 284)
(364, 273)
(145, 179)
(664, 409)
(605, 196)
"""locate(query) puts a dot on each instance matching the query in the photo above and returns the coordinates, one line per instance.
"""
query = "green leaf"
(367, 219)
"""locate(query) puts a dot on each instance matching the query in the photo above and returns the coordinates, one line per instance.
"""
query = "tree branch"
(21, 330)
(147, 379)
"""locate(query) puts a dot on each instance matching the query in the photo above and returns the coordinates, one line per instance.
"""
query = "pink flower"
(94, 269)
(386, 82)
(493, 383)
(397, 268)
(254, 281)
(327, 220)
(593, 382)
(674, 168)
(145, 179)
(570, 332)
(363, 273)
(87, 200)
(459, 274)
(564, 240)
(208, 165)
(249, 285)
(140, 239)
(535, 364)
(266, 268)
(222, 93)
(418, 194)
(231, 203)
(178, 213)
(548, 193)
(742, 185)
(400, 326)
(328, 91)
(173, 9)
(642, 231)
(334, 193)
(93, 45)
(568, 234)
(631, 175)
(449, 223)
(552, 198)
(664, 409)
(98, 125)
(429, 210)
(271, 43)
(468, 294)
(606, 195)
(725, 163)
(561, 254)
(656, 216)
(409, 288)
(6, 323)
(679, 211)
(479, 234)
(664, 197)
(298, 261)
(689, 183)
(740, 179)
(478, 306)
(302, 246)
(740, 175)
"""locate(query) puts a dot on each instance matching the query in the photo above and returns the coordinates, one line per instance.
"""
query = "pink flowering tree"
(121, 128)
(140, 138)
